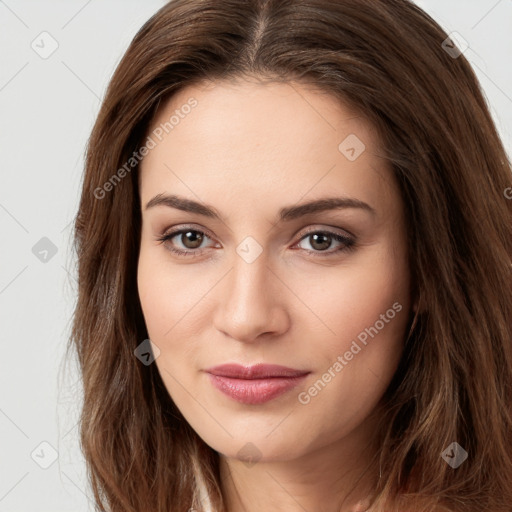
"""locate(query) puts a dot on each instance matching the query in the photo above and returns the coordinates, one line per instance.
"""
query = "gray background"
(47, 107)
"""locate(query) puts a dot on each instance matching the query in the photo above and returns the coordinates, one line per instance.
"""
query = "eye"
(191, 240)
(322, 240)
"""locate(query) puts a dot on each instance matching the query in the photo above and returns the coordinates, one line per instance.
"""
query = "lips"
(255, 384)
(258, 371)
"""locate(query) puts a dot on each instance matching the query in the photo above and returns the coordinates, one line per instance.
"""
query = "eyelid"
(313, 229)
(183, 228)
(327, 229)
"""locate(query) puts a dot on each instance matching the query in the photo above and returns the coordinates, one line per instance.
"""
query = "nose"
(251, 302)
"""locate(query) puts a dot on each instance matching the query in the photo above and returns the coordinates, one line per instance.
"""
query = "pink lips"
(254, 384)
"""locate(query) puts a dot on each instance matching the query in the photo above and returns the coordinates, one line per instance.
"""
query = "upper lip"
(257, 371)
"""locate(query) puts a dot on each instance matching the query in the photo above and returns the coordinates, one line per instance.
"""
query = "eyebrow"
(287, 213)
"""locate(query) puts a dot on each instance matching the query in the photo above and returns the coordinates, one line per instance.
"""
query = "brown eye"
(185, 242)
(191, 239)
(321, 241)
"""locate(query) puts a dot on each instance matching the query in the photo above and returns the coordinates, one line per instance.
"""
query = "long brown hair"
(386, 59)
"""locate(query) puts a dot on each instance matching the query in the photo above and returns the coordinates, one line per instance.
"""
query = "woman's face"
(266, 279)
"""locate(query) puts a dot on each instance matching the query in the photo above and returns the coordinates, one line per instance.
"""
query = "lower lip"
(255, 391)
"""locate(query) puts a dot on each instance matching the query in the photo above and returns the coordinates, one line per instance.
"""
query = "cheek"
(353, 298)
(163, 308)
(153, 298)
(169, 295)
(367, 308)
(175, 312)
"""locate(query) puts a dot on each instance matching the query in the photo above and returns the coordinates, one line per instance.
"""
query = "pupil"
(193, 239)
(323, 245)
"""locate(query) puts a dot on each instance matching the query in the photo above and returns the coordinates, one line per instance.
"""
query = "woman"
(294, 246)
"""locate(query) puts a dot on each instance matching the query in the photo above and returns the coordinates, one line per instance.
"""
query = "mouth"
(256, 384)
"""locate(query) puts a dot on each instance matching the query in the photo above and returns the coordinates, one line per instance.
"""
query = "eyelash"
(349, 243)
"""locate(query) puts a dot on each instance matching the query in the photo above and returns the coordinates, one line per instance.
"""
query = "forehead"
(280, 138)
(242, 108)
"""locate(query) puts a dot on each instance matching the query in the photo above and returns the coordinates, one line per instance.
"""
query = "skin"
(248, 149)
